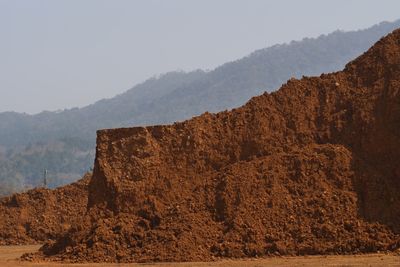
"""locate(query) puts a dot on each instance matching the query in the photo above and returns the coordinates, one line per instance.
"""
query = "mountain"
(313, 168)
(63, 142)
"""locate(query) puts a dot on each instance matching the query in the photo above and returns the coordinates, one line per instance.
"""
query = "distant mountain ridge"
(63, 142)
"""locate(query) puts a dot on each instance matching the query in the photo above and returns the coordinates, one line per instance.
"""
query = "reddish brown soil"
(310, 169)
(9, 258)
(41, 214)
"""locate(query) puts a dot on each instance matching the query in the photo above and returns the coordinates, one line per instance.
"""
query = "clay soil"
(41, 214)
(9, 258)
(310, 169)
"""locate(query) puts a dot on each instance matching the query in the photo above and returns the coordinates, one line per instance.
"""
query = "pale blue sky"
(58, 54)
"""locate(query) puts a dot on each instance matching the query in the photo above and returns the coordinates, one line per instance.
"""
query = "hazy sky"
(60, 54)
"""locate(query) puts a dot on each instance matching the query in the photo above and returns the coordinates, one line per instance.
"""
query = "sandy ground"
(9, 255)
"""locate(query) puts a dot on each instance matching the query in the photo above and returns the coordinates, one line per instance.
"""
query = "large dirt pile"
(41, 214)
(310, 169)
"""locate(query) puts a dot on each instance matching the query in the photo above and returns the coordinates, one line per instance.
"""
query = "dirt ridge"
(310, 169)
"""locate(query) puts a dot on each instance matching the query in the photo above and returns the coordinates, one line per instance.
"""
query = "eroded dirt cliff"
(310, 169)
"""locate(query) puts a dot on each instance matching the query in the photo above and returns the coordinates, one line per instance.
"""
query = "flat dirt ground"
(9, 255)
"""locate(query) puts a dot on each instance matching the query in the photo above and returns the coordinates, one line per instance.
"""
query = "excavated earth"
(41, 214)
(313, 168)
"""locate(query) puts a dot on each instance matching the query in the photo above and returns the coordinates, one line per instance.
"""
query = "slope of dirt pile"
(41, 214)
(310, 169)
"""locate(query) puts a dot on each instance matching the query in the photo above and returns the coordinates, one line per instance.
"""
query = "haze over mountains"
(63, 142)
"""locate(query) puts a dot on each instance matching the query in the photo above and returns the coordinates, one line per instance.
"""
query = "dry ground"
(9, 255)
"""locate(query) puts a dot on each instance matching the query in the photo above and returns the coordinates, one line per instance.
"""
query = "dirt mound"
(41, 214)
(310, 169)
